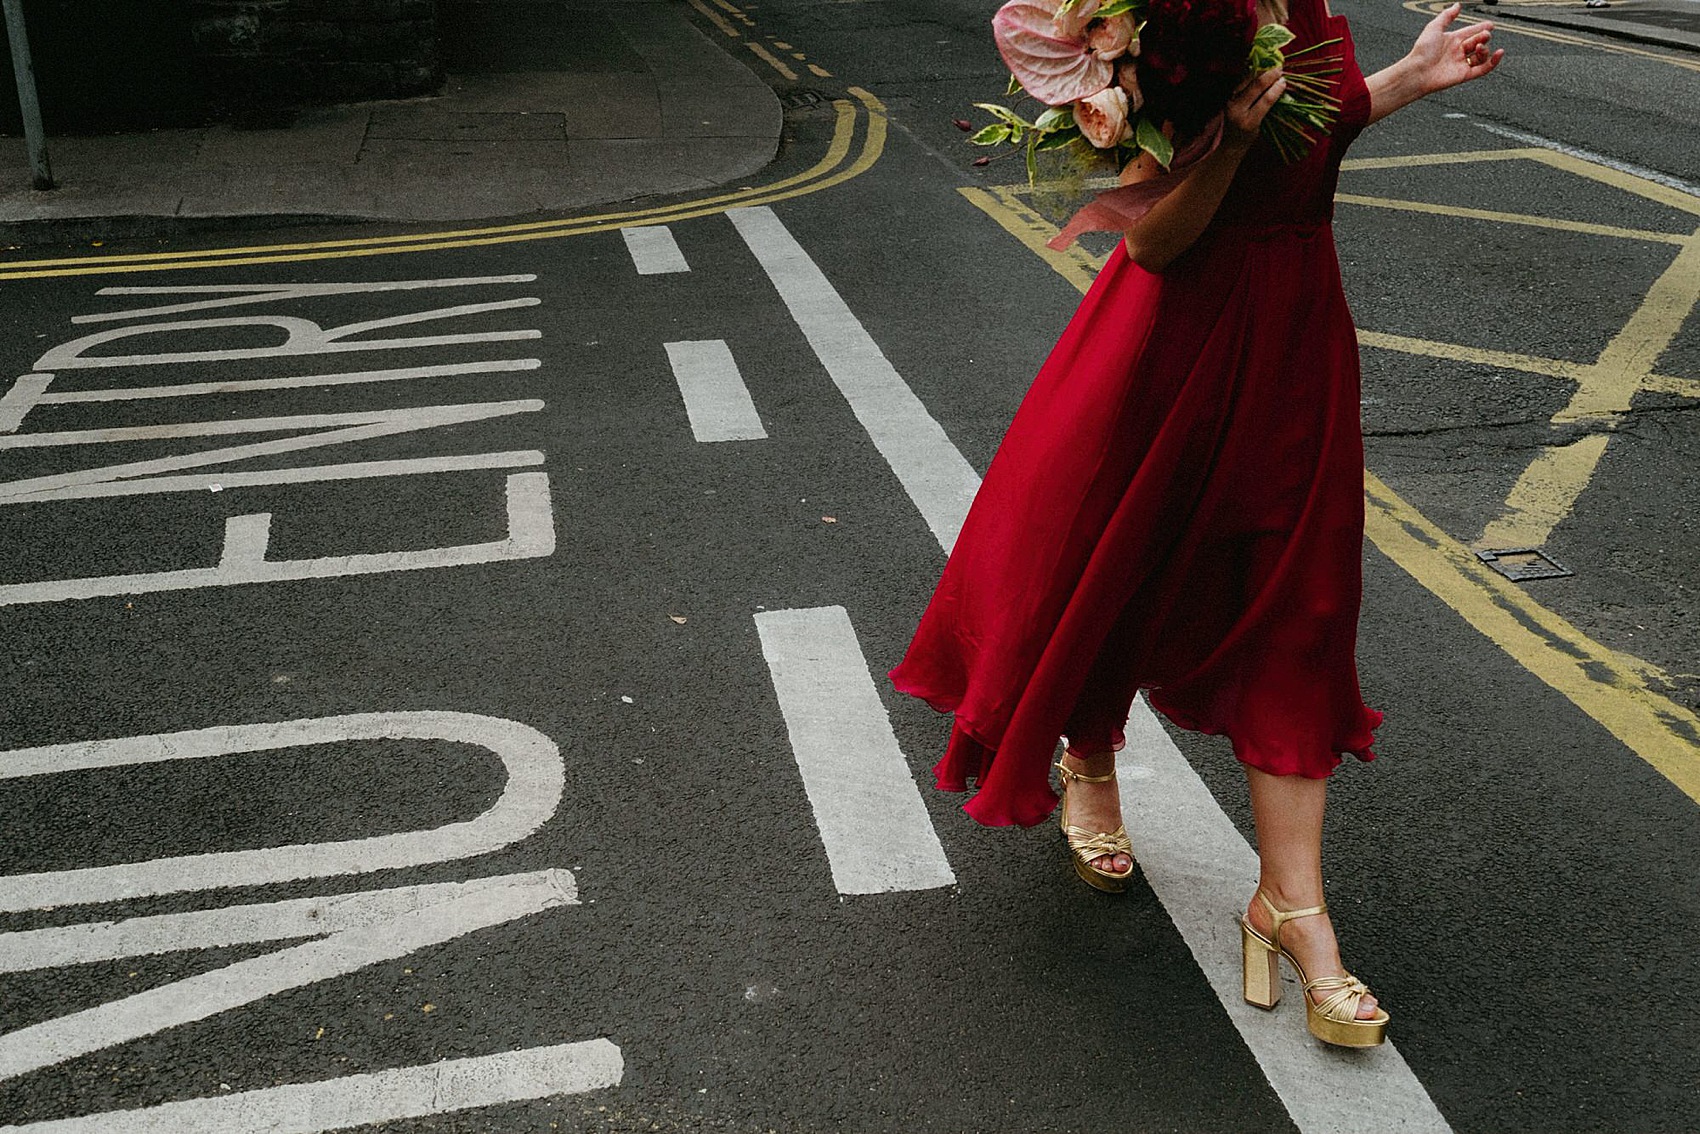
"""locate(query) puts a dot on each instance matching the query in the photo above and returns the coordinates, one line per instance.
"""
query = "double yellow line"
(858, 140)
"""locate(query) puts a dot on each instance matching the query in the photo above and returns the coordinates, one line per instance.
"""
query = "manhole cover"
(1520, 564)
(802, 99)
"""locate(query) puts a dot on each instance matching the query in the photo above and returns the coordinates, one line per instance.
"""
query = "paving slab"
(1665, 23)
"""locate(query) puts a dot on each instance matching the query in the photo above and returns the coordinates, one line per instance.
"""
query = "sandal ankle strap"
(1069, 775)
(1280, 917)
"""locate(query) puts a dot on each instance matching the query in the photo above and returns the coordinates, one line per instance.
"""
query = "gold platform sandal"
(1332, 1020)
(1084, 845)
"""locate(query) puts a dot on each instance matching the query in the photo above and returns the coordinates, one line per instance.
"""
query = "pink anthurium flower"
(1055, 69)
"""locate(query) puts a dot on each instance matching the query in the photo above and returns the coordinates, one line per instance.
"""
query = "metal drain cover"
(1520, 564)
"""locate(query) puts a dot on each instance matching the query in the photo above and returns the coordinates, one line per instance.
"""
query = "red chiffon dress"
(1177, 507)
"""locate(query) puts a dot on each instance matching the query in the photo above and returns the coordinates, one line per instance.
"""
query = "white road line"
(1198, 865)
(716, 399)
(1630, 168)
(1203, 871)
(877, 833)
(379, 1096)
(654, 251)
(933, 473)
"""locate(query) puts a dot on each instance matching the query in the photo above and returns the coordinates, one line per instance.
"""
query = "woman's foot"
(1309, 939)
(1096, 806)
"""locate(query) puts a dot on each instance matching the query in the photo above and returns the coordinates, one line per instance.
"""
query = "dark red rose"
(1192, 56)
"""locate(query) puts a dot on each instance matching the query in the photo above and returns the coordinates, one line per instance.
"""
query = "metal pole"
(24, 70)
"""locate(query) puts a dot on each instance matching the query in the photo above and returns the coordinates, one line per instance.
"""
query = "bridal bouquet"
(1110, 73)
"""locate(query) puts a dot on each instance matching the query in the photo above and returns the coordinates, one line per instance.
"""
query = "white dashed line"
(876, 829)
(716, 399)
(654, 251)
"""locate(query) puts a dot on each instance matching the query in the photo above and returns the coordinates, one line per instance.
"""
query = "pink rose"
(1072, 23)
(1110, 38)
(1127, 79)
(1102, 118)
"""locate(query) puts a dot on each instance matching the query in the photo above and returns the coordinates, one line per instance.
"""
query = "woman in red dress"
(1178, 507)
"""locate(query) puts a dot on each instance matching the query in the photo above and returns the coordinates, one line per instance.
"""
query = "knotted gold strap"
(1069, 775)
(1096, 844)
(1344, 995)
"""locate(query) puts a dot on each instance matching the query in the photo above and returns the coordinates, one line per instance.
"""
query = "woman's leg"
(1288, 812)
(1096, 807)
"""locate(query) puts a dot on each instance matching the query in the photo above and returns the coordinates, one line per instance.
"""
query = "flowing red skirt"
(1178, 507)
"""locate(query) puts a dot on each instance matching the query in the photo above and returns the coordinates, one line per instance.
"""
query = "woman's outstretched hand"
(1248, 106)
(1444, 58)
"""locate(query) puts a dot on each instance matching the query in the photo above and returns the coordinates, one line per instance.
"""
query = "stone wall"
(270, 53)
(131, 64)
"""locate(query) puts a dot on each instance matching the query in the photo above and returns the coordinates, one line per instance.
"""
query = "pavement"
(1664, 23)
(598, 103)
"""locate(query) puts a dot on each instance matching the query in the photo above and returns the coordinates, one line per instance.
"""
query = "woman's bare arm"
(1440, 58)
(1180, 218)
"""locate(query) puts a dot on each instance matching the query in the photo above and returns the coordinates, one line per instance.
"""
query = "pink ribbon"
(1119, 209)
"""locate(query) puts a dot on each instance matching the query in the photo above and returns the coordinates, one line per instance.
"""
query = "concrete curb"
(1585, 20)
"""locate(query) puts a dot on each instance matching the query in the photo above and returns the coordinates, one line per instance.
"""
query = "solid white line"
(91, 941)
(877, 833)
(1630, 168)
(654, 251)
(1203, 871)
(1200, 868)
(237, 295)
(932, 471)
(716, 399)
(378, 1096)
(15, 404)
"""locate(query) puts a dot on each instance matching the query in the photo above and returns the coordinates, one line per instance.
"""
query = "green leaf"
(1014, 88)
(1054, 118)
(1032, 163)
(1005, 114)
(1119, 8)
(1273, 36)
(1057, 139)
(994, 135)
(1150, 139)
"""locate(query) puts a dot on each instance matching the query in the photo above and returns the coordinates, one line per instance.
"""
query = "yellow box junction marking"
(1618, 691)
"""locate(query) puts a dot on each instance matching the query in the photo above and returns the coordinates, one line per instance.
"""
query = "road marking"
(933, 473)
(835, 167)
(1310, 1083)
(772, 60)
(872, 820)
(241, 295)
(88, 942)
(1639, 172)
(654, 251)
(378, 1096)
(1203, 871)
(207, 994)
(535, 780)
(716, 18)
(716, 399)
(1584, 227)
(1616, 690)
(249, 385)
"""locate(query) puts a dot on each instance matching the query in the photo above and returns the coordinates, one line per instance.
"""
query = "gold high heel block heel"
(1084, 845)
(1333, 1019)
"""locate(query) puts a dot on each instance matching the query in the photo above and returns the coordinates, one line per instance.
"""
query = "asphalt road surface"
(485, 636)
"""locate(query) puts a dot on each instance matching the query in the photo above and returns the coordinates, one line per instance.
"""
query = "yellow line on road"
(1546, 493)
(716, 18)
(773, 61)
(1457, 157)
(1467, 213)
(1456, 352)
(1430, 7)
(1614, 689)
(1610, 688)
(824, 174)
